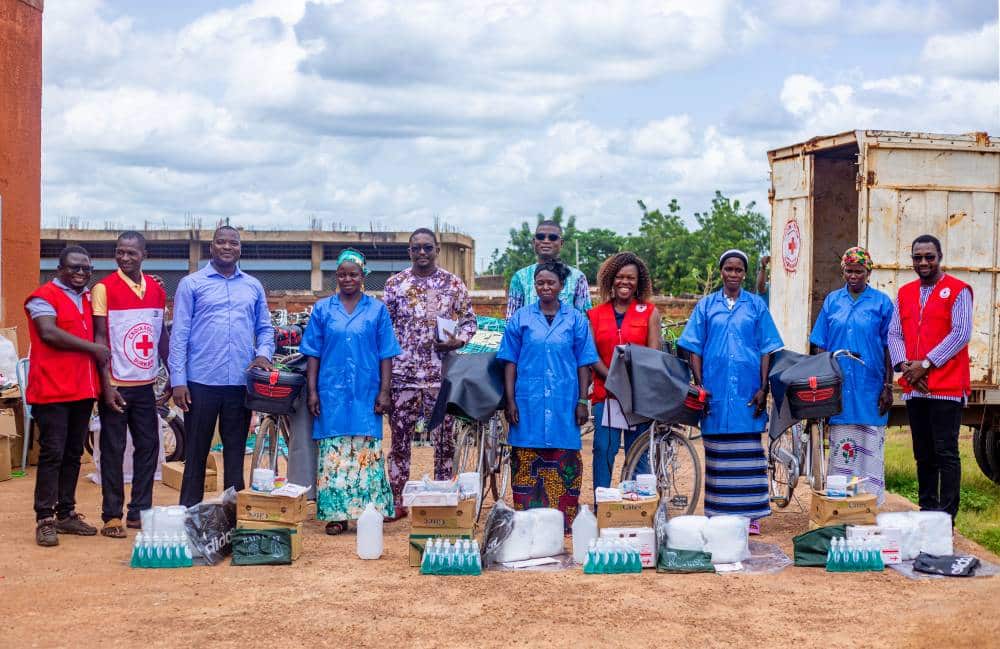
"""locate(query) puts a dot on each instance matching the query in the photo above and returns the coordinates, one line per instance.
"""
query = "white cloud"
(972, 55)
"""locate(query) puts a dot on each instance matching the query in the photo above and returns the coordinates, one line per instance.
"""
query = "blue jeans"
(606, 443)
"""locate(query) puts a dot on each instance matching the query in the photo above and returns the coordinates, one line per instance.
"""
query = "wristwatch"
(926, 364)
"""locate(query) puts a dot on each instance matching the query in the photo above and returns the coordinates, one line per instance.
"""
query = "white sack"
(537, 533)
(686, 533)
(934, 532)
(909, 543)
(727, 538)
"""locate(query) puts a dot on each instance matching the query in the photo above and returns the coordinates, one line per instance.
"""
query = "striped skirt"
(736, 475)
(859, 451)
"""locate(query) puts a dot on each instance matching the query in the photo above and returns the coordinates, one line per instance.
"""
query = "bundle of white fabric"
(727, 538)
(537, 533)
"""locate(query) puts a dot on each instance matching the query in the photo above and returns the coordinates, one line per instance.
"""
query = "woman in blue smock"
(350, 344)
(730, 335)
(549, 351)
(857, 317)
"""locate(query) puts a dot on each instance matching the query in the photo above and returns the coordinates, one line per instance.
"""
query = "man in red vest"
(62, 386)
(128, 313)
(929, 343)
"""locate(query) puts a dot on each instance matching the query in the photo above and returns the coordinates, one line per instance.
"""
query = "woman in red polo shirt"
(625, 315)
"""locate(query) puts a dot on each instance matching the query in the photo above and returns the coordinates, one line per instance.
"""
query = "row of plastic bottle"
(442, 557)
(156, 551)
(608, 556)
(854, 555)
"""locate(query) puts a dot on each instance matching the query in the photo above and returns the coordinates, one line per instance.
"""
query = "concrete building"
(20, 157)
(283, 260)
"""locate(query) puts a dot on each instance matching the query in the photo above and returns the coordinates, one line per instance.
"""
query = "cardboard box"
(294, 528)
(420, 535)
(627, 513)
(461, 516)
(853, 510)
(642, 539)
(256, 506)
(8, 437)
(890, 538)
(173, 475)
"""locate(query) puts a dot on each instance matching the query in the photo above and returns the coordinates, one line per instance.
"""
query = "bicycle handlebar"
(854, 356)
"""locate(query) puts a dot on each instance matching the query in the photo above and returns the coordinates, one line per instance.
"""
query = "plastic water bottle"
(188, 556)
(856, 562)
(834, 557)
(584, 530)
(370, 542)
(591, 558)
(878, 563)
(636, 560)
(136, 561)
(477, 559)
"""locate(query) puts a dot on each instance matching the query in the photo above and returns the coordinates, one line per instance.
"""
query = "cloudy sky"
(275, 112)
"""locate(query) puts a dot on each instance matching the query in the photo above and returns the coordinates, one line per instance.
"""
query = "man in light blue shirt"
(221, 328)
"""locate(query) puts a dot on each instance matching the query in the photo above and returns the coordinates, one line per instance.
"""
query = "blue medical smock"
(547, 359)
(862, 326)
(730, 344)
(349, 348)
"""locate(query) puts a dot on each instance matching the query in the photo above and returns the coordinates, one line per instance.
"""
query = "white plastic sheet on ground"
(765, 558)
(905, 568)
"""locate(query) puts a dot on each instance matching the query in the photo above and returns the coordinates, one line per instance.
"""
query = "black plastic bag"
(949, 565)
(272, 547)
(210, 526)
(499, 527)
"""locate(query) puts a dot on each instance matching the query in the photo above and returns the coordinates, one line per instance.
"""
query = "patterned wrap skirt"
(547, 477)
(736, 475)
(351, 474)
(858, 451)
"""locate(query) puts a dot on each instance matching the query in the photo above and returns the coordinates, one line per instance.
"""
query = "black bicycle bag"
(814, 387)
(274, 391)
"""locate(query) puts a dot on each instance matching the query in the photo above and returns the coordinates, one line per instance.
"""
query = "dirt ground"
(82, 593)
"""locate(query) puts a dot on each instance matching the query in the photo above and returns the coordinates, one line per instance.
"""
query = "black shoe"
(74, 524)
(45, 533)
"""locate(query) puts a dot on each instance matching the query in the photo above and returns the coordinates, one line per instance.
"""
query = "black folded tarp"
(471, 386)
(650, 384)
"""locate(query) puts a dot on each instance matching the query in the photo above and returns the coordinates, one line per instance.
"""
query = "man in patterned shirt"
(548, 242)
(929, 343)
(416, 298)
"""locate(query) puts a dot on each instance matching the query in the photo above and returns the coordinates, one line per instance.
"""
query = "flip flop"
(113, 529)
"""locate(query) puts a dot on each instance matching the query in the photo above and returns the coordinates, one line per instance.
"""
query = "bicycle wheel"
(675, 463)
(267, 444)
(782, 468)
(468, 454)
(498, 463)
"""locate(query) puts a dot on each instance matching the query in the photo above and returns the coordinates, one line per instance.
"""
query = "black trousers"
(139, 419)
(211, 403)
(62, 429)
(934, 427)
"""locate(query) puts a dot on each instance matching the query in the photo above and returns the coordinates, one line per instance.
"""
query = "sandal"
(400, 513)
(755, 527)
(113, 529)
(333, 528)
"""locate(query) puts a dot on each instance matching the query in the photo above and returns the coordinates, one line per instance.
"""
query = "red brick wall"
(20, 156)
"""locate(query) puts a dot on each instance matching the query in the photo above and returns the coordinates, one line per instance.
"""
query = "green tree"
(596, 245)
(662, 242)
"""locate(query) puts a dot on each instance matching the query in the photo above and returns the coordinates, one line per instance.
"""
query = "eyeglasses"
(541, 236)
(79, 269)
(425, 248)
(919, 258)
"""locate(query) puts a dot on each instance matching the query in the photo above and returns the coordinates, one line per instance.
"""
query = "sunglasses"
(919, 258)
(541, 236)
(79, 269)
(425, 248)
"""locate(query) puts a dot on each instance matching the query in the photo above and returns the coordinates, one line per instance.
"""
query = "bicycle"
(674, 462)
(800, 451)
(482, 447)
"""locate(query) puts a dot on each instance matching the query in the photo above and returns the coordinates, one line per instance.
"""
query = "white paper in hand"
(613, 416)
(445, 328)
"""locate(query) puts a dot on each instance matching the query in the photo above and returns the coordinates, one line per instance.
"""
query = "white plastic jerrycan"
(584, 530)
(370, 533)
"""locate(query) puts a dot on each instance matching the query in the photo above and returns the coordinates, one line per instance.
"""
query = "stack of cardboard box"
(454, 522)
(630, 521)
(261, 511)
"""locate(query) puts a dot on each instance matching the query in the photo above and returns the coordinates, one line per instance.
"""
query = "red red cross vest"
(923, 330)
(134, 327)
(607, 335)
(58, 375)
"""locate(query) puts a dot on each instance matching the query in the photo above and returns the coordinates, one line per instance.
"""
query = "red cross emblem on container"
(791, 243)
(140, 346)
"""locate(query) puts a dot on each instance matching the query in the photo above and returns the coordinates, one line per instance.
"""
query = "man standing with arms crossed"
(221, 328)
(548, 243)
(129, 317)
(929, 343)
(415, 298)
(62, 386)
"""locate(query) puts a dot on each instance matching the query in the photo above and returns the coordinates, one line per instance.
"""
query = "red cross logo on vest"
(138, 345)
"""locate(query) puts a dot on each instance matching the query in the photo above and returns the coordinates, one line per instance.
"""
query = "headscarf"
(353, 256)
(733, 252)
(856, 255)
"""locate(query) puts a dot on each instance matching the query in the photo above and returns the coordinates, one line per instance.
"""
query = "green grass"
(979, 512)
